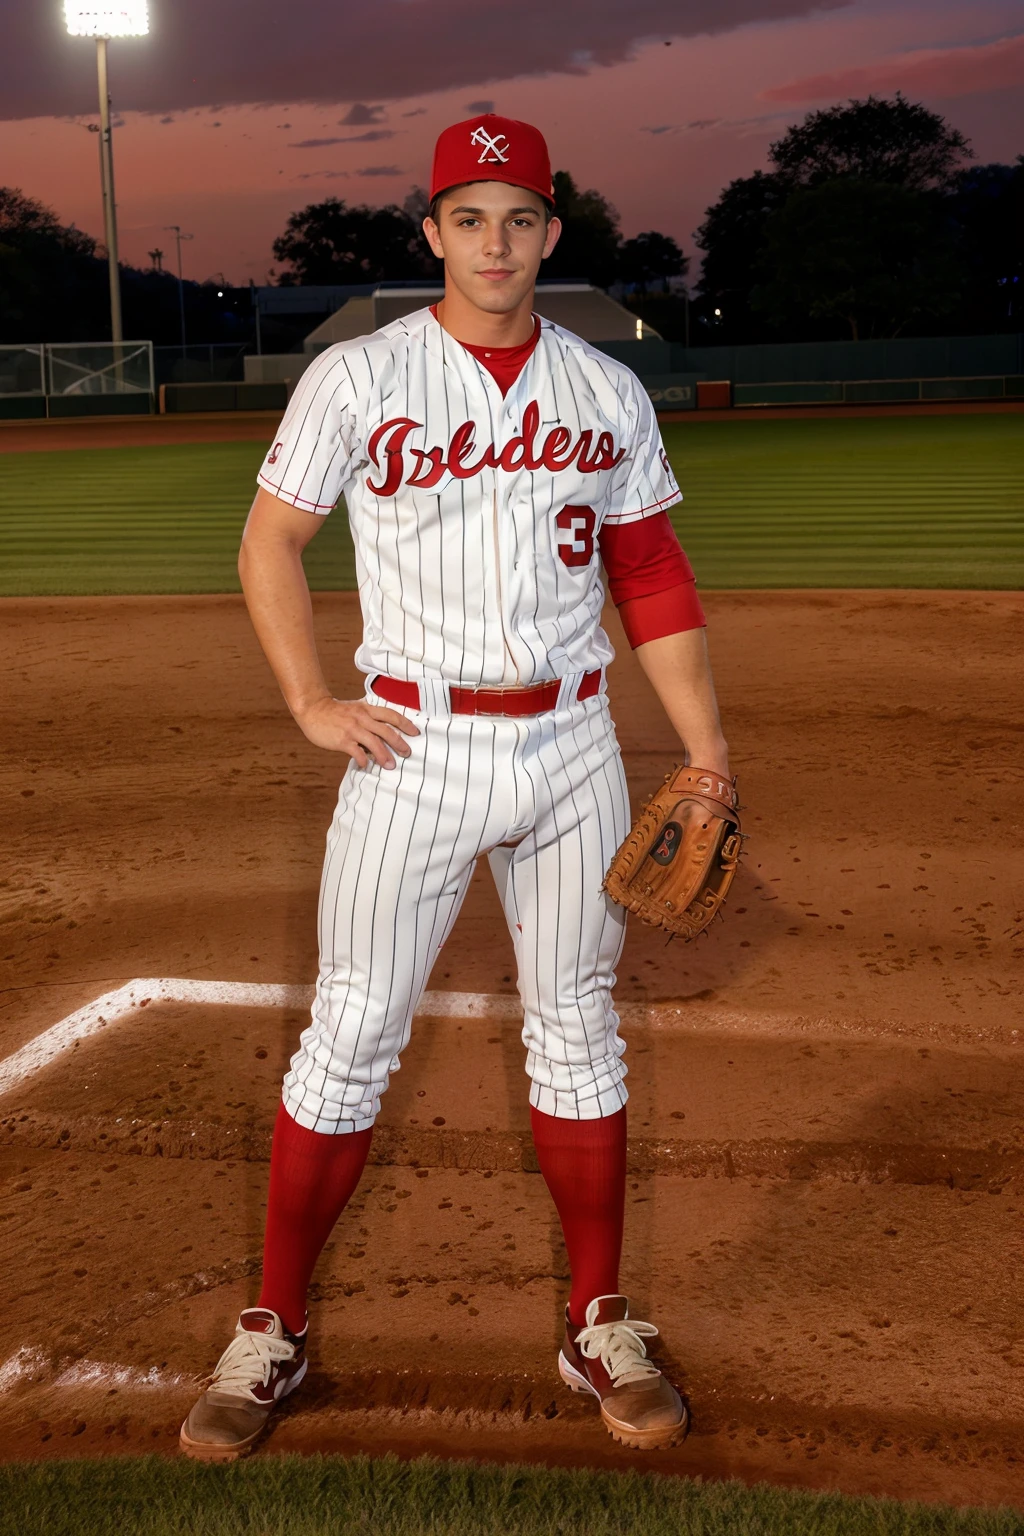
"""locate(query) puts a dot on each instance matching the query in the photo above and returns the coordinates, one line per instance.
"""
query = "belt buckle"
(499, 693)
(523, 690)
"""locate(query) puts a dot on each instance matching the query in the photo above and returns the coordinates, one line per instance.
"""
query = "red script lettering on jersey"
(388, 453)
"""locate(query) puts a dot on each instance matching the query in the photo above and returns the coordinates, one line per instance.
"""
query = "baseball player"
(492, 464)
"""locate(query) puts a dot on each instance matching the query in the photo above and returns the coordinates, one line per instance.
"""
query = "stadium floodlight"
(130, 18)
(124, 18)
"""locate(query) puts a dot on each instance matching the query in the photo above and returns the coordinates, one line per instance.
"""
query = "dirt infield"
(827, 1161)
(138, 431)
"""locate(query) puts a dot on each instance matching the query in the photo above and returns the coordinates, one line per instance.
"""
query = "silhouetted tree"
(876, 143)
(731, 237)
(50, 279)
(650, 258)
(869, 253)
(986, 208)
(30, 225)
(54, 287)
(588, 247)
(330, 242)
(896, 140)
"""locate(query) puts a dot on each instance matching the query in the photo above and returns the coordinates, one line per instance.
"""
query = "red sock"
(584, 1167)
(312, 1177)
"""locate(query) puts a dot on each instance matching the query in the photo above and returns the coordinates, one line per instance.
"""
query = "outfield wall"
(916, 357)
(93, 378)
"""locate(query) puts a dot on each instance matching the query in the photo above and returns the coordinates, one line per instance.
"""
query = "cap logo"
(494, 151)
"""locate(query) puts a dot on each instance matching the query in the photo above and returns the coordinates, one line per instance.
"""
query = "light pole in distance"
(179, 237)
(128, 18)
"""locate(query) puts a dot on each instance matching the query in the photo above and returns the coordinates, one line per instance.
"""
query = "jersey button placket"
(493, 413)
(500, 518)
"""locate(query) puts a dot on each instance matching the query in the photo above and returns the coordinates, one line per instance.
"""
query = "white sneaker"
(261, 1365)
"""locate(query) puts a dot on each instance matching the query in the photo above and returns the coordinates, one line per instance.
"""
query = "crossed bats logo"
(495, 150)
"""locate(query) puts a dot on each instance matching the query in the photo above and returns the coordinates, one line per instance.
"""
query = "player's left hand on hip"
(364, 731)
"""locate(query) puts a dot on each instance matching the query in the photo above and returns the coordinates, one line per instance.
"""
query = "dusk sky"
(232, 113)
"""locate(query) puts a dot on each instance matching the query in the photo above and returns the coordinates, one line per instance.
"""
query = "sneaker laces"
(621, 1350)
(248, 1361)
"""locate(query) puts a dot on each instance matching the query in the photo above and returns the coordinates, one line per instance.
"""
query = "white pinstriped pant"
(400, 853)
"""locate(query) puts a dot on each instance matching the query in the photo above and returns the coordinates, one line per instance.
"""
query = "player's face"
(492, 238)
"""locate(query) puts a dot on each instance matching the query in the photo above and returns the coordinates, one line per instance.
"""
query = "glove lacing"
(248, 1361)
(621, 1350)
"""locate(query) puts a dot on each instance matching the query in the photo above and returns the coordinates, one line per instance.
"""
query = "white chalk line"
(112, 1007)
(135, 995)
(37, 1366)
(131, 998)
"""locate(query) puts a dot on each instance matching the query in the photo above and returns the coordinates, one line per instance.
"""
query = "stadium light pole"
(128, 18)
(179, 237)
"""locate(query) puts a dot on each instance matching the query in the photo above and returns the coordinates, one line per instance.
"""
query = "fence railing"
(22, 370)
(78, 368)
(100, 368)
(878, 391)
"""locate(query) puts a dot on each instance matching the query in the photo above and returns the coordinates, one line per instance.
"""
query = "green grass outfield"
(335, 1496)
(867, 501)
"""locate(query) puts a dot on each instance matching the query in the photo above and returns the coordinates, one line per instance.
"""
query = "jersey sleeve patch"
(644, 484)
(309, 461)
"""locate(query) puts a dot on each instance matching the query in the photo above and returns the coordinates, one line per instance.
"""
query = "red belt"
(537, 699)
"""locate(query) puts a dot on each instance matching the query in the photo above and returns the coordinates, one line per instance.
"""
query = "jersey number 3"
(578, 522)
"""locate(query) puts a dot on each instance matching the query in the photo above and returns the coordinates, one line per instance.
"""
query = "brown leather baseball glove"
(678, 861)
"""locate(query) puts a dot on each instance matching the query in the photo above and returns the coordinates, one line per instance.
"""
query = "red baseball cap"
(492, 148)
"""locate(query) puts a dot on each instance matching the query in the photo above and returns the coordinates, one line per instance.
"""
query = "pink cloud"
(240, 52)
(928, 72)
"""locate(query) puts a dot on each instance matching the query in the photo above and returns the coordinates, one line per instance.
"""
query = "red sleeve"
(642, 557)
(662, 613)
(650, 579)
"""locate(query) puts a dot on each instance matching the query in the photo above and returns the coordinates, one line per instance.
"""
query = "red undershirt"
(650, 579)
(505, 364)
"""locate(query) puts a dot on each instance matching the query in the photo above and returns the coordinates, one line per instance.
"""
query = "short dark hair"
(435, 202)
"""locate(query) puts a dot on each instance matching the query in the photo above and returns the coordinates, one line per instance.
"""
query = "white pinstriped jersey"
(474, 518)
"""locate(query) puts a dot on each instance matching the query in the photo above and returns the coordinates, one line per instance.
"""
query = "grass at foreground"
(863, 501)
(335, 1496)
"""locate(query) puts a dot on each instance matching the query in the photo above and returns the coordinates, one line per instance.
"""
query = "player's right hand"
(362, 730)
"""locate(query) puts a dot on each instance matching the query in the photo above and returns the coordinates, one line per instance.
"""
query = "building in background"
(359, 311)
